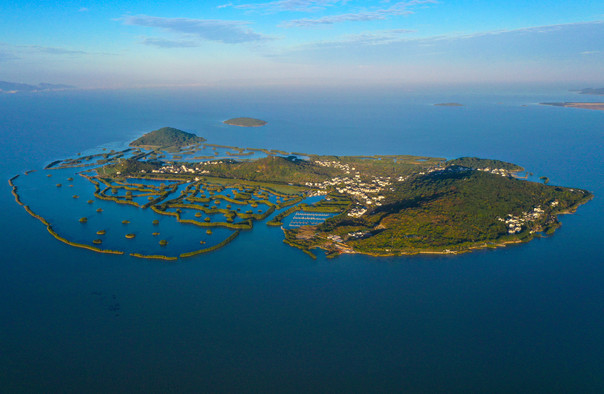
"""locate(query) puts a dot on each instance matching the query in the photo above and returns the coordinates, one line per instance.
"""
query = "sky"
(114, 44)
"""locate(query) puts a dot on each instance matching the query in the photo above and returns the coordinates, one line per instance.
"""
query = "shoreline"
(596, 106)
(479, 246)
(244, 121)
(240, 125)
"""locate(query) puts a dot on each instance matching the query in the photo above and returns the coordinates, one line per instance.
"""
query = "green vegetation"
(476, 163)
(49, 227)
(272, 169)
(245, 122)
(167, 137)
(378, 205)
(445, 211)
(211, 248)
(128, 167)
(153, 256)
(54, 163)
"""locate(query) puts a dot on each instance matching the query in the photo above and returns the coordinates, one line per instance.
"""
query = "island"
(449, 105)
(382, 205)
(583, 105)
(14, 87)
(166, 137)
(593, 91)
(245, 122)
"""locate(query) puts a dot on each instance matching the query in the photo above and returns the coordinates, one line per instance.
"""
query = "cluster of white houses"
(334, 164)
(366, 193)
(183, 169)
(496, 171)
(353, 186)
(514, 223)
(357, 211)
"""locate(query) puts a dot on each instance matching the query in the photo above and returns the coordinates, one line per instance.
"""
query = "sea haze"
(258, 315)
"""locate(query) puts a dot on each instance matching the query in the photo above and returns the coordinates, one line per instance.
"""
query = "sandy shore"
(596, 106)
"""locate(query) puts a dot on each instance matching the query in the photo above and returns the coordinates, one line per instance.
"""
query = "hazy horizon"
(303, 42)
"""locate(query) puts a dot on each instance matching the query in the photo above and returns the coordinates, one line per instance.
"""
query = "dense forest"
(167, 137)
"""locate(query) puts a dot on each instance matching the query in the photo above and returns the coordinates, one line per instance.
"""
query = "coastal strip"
(49, 226)
(78, 245)
(584, 105)
(212, 248)
(54, 163)
(153, 256)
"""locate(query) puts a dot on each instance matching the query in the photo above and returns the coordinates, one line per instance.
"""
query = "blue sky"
(107, 44)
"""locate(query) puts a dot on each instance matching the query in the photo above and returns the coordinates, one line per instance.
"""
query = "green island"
(449, 105)
(245, 122)
(380, 205)
(166, 137)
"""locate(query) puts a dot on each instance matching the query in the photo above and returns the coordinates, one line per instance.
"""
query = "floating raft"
(301, 218)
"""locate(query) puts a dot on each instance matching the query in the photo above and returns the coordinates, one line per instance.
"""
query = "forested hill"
(476, 163)
(167, 137)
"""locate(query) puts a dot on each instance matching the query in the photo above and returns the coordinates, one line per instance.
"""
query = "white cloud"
(228, 32)
(165, 43)
(290, 5)
(528, 30)
(555, 43)
(55, 51)
(6, 56)
(372, 38)
(399, 8)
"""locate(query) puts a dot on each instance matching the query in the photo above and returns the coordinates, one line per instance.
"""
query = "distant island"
(167, 137)
(449, 105)
(596, 91)
(14, 87)
(382, 205)
(584, 105)
(245, 122)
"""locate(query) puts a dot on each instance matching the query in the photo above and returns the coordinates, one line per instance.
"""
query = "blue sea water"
(261, 316)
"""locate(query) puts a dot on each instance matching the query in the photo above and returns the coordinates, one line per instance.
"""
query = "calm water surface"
(258, 315)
